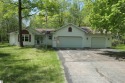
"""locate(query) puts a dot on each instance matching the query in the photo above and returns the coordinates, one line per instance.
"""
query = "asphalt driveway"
(93, 66)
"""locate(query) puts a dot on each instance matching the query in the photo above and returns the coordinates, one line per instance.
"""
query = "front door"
(38, 40)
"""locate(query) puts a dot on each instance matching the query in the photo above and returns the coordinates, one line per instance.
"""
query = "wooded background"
(102, 15)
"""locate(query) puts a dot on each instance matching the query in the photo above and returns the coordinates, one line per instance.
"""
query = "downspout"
(46, 27)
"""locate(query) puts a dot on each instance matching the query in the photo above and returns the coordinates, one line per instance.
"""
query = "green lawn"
(29, 65)
(121, 47)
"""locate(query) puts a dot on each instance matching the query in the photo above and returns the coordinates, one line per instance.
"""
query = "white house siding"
(32, 42)
(12, 39)
(108, 41)
(63, 32)
(16, 37)
(87, 41)
(47, 41)
(63, 38)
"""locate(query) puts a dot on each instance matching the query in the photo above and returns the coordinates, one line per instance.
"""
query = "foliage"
(9, 16)
(42, 13)
(103, 15)
(8, 21)
(108, 15)
(29, 65)
(55, 13)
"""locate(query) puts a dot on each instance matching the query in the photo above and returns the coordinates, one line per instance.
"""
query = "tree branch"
(26, 8)
(10, 2)
(30, 15)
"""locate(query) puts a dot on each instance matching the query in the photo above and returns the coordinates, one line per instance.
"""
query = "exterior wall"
(46, 40)
(13, 39)
(86, 38)
(87, 41)
(32, 40)
(64, 32)
(108, 41)
(16, 39)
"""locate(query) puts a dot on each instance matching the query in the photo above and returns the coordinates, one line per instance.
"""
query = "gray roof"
(87, 29)
(43, 31)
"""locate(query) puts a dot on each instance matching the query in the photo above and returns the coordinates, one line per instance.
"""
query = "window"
(69, 29)
(23, 38)
(50, 37)
(87, 38)
(26, 37)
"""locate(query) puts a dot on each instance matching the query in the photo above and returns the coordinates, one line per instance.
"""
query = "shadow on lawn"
(43, 49)
(116, 55)
(24, 71)
(4, 46)
(2, 55)
(26, 74)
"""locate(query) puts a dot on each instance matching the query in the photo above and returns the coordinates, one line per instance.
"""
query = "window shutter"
(29, 38)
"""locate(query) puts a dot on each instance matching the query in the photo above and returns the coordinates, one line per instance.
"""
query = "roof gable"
(72, 25)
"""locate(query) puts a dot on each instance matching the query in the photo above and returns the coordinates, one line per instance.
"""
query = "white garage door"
(70, 41)
(98, 42)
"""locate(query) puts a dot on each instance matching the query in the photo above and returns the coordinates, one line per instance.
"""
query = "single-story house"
(68, 36)
(32, 37)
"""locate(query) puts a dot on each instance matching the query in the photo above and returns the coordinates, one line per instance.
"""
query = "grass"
(121, 47)
(29, 65)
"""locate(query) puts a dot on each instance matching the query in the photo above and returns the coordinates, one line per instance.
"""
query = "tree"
(51, 12)
(8, 20)
(45, 13)
(28, 6)
(108, 15)
(20, 23)
(100, 15)
(59, 12)
(9, 15)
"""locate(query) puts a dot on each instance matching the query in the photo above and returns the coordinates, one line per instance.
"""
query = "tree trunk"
(1, 38)
(20, 24)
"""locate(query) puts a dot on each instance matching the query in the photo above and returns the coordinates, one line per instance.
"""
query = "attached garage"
(71, 36)
(98, 42)
(70, 41)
